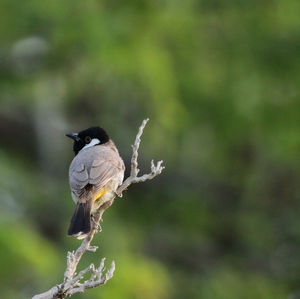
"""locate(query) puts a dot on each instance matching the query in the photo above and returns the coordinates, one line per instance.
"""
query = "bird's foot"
(97, 225)
(118, 194)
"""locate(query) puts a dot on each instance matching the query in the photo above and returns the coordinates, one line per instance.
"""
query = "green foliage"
(137, 277)
(24, 250)
(220, 83)
(231, 284)
(26, 260)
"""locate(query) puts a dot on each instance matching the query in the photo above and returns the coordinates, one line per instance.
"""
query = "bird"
(95, 173)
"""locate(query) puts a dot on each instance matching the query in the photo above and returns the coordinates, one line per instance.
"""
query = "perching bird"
(95, 174)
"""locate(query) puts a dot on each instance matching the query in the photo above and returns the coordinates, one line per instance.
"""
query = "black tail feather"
(81, 220)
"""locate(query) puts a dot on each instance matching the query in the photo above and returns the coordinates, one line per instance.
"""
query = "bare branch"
(49, 294)
(95, 283)
(92, 248)
(71, 284)
(134, 164)
(133, 178)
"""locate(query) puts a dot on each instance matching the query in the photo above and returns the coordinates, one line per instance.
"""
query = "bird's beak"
(73, 136)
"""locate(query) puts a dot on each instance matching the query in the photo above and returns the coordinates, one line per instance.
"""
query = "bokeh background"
(219, 81)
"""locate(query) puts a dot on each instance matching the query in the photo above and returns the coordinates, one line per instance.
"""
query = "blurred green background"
(219, 80)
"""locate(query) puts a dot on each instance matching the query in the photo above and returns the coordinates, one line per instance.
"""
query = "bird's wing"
(101, 172)
(98, 174)
(79, 178)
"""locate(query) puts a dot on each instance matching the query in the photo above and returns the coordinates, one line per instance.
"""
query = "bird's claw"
(118, 194)
(97, 225)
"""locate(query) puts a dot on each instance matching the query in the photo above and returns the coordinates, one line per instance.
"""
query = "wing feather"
(101, 173)
(96, 167)
(80, 173)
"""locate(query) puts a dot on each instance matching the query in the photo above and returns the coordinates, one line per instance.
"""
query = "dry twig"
(71, 284)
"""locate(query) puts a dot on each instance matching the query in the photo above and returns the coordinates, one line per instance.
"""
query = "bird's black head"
(90, 137)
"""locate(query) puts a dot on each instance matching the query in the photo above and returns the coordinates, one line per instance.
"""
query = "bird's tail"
(81, 221)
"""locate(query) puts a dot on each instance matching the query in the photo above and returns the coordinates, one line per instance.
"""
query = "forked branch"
(71, 283)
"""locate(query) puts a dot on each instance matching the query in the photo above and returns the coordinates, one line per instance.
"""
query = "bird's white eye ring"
(87, 139)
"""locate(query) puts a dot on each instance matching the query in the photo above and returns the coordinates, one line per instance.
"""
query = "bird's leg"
(97, 225)
(118, 194)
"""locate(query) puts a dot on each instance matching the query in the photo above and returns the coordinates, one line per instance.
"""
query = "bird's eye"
(87, 139)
